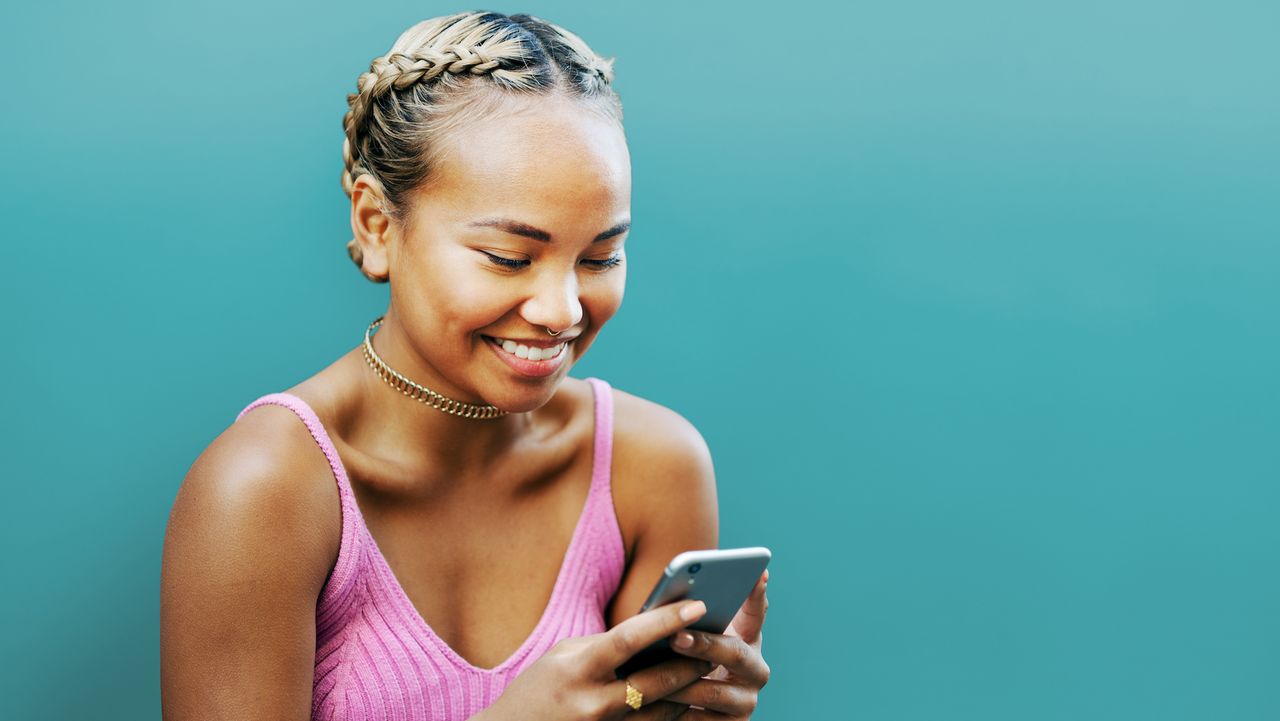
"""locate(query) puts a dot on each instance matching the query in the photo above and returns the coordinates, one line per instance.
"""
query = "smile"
(529, 361)
(523, 351)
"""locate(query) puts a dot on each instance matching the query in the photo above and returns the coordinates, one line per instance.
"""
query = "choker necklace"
(421, 393)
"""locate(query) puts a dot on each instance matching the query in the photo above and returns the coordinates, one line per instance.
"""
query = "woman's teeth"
(533, 354)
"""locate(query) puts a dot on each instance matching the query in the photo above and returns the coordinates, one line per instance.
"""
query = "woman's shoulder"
(266, 442)
(661, 462)
(266, 471)
(648, 428)
(664, 490)
(269, 443)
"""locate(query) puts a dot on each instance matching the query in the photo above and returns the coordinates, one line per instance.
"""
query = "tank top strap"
(603, 549)
(602, 457)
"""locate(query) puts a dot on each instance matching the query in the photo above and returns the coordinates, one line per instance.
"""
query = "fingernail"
(684, 639)
(693, 610)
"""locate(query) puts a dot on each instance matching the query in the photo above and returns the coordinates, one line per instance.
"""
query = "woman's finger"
(694, 714)
(749, 619)
(660, 680)
(739, 658)
(658, 711)
(632, 635)
(722, 697)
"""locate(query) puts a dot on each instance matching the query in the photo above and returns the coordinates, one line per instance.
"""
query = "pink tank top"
(377, 658)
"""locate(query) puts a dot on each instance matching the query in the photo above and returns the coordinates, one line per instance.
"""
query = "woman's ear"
(372, 228)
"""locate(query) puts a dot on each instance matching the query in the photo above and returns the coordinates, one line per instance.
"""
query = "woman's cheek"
(471, 288)
(607, 298)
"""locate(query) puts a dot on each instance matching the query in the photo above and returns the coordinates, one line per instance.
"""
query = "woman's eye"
(515, 263)
(506, 262)
(607, 262)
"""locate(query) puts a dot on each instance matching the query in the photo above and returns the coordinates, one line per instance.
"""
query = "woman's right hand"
(576, 680)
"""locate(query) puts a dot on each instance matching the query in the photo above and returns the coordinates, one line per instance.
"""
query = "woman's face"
(519, 230)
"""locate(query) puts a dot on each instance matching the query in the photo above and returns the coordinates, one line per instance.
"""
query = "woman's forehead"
(542, 142)
(549, 154)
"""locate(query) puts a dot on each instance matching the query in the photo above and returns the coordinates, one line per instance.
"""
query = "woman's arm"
(670, 483)
(664, 491)
(252, 535)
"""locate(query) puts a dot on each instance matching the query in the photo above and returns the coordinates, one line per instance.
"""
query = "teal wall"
(975, 304)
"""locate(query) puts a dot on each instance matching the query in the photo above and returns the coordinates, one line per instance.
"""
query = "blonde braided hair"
(433, 79)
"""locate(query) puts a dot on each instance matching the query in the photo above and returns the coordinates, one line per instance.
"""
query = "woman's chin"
(516, 397)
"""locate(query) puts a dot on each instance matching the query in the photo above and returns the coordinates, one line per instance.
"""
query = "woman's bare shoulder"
(265, 470)
(662, 465)
(644, 429)
(269, 445)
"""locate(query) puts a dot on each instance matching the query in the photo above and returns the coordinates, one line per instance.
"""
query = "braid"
(398, 71)
(404, 97)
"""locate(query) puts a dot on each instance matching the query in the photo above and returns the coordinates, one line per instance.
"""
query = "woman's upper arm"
(252, 535)
(667, 490)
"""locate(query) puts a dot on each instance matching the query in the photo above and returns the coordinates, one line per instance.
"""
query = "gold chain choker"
(421, 393)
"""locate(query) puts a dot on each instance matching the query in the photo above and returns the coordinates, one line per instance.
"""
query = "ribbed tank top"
(377, 658)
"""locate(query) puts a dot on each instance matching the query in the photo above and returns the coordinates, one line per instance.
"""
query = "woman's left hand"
(730, 691)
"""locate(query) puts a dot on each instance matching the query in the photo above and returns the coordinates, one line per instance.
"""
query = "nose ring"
(549, 332)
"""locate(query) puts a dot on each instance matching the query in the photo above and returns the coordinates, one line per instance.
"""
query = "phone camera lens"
(695, 568)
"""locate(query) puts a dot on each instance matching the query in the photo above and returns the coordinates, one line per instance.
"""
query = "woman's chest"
(480, 565)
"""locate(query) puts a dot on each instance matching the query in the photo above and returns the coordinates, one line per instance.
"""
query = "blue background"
(974, 303)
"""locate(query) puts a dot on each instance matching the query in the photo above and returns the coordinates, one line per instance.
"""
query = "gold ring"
(634, 698)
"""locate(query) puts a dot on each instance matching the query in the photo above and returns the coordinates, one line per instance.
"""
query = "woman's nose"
(555, 302)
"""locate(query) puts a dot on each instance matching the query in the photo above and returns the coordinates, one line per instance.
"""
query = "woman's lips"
(526, 367)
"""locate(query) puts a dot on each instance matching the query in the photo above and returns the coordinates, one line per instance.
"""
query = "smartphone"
(720, 578)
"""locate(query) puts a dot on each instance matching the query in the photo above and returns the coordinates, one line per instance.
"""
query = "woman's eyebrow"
(515, 227)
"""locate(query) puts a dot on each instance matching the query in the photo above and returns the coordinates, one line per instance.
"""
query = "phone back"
(720, 578)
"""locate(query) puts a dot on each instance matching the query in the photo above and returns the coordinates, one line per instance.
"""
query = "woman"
(468, 559)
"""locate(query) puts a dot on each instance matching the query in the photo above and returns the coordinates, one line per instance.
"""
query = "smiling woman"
(343, 551)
